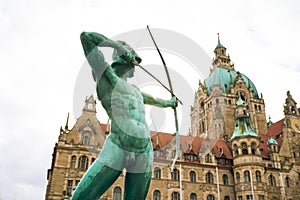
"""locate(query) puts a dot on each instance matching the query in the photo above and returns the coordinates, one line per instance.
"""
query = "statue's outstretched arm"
(148, 99)
(90, 41)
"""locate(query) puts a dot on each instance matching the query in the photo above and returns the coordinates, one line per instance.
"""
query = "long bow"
(172, 93)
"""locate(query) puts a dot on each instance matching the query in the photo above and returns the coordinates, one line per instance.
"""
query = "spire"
(269, 123)
(221, 58)
(67, 122)
(219, 43)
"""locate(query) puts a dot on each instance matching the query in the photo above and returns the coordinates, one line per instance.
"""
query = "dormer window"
(208, 158)
(86, 140)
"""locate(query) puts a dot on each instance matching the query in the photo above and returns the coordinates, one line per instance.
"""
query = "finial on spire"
(67, 123)
(219, 43)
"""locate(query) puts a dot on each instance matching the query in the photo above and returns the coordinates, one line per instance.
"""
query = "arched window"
(86, 140)
(247, 176)
(175, 196)
(202, 105)
(175, 175)
(237, 177)
(235, 149)
(253, 148)
(217, 101)
(258, 176)
(156, 172)
(117, 193)
(193, 196)
(73, 161)
(244, 148)
(225, 179)
(156, 195)
(272, 181)
(92, 160)
(208, 158)
(83, 162)
(193, 176)
(210, 197)
(287, 181)
(226, 198)
(209, 178)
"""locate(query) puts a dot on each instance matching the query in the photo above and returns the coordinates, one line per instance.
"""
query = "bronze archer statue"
(128, 145)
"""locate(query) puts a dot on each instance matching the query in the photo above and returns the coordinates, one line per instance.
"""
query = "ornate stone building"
(232, 152)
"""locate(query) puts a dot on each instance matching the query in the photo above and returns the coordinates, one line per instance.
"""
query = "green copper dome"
(221, 76)
(272, 141)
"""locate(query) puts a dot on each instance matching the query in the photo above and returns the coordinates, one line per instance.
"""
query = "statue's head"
(122, 64)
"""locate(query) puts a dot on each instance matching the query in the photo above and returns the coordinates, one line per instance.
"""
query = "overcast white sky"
(41, 56)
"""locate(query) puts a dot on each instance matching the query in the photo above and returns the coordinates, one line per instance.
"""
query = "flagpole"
(218, 185)
(282, 185)
(180, 183)
(252, 189)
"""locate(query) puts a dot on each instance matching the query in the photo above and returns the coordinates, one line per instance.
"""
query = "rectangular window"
(69, 188)
(261, 197)
(249, 197)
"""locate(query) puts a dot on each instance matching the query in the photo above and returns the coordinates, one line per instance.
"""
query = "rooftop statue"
(128, 145)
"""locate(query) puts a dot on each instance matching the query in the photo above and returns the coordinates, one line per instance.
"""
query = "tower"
(247, 161)
(292, 126)
(213, 111)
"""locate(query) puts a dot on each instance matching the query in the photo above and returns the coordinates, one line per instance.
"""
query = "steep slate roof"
(275, 131)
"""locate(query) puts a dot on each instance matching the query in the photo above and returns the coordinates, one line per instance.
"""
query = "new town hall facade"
(231, 153)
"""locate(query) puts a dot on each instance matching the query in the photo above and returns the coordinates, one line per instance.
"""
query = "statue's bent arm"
(90, 43)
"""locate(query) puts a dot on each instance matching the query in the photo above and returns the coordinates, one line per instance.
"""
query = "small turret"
(243, 125)
(221, 59)
(290, 107)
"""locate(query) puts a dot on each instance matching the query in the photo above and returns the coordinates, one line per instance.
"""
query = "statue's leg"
(102, 174)
(138, 176)
(137, 185)
(95, 182)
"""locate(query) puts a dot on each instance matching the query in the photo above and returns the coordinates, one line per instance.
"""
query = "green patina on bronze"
(243, 127)
(128, 145)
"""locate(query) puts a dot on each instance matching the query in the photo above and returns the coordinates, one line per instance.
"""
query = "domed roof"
(243, 128)
(272, 141)
(221, 76)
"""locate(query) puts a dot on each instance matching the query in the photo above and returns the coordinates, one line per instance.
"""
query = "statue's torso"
(125, 107)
